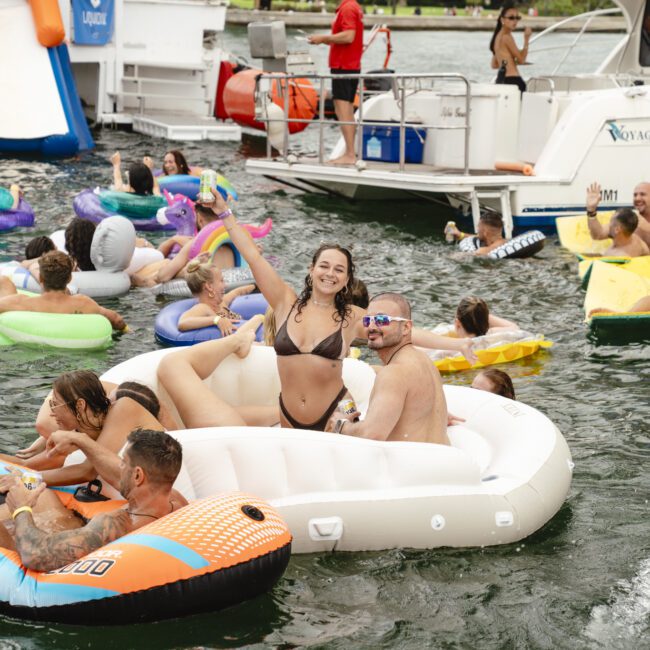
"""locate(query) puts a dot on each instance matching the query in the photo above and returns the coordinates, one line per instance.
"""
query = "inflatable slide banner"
(93, 21)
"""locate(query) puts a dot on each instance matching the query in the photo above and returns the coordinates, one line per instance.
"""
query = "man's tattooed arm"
(45, 551)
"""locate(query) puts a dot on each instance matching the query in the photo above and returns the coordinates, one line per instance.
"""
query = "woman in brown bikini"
(315, 333)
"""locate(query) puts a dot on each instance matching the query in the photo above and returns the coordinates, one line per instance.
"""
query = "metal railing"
(401, 91)
(588, 17)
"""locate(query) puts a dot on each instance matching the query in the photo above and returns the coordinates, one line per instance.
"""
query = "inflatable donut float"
(21, 217)
(111, 253)
(66, 331)
(214, 553)
(166, 326)
(525, 245)
(188, 185)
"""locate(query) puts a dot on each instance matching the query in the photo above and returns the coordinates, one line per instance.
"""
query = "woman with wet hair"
(205, 281)
(473, 318)
(79, 402)
(495, 381)
(141, 178)
(315, 331)
(78, 241)
(174, 162)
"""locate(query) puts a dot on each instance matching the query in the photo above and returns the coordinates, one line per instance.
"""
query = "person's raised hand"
(116, 159)
(593, 197)
(527, 33)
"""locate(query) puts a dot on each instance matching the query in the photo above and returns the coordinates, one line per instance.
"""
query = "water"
(582, 581)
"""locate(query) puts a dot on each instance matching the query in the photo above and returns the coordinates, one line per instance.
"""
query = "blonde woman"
(206, 284)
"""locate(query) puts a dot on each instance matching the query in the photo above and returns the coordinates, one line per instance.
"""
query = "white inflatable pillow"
(113, 244)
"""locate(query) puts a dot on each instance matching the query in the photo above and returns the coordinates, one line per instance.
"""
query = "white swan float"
(506, 474)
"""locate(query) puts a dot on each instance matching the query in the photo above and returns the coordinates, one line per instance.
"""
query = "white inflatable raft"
(506, 474)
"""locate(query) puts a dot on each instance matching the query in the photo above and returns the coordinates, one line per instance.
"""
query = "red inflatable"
(239, 102)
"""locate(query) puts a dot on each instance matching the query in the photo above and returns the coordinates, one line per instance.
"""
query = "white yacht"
(442, 136)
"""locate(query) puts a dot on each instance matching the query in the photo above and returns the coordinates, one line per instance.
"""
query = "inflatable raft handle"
(49, 24)
(523, 168)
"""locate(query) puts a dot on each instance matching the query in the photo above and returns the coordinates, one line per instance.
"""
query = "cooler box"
(382, 143)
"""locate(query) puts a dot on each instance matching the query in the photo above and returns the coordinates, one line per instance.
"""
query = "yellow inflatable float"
(638, 265)
(574, 234)
(491, 349)
(615, 289)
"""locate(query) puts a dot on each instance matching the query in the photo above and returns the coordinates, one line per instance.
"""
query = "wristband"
(338, 427)
(592, 215)
(17, 511)
(216, 320)
(226, 213)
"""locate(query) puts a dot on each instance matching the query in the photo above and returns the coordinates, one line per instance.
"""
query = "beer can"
(31, 480)
(347, 406)
(207, 183)
(449, 231)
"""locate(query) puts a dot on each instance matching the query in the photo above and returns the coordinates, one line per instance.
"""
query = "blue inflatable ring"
(166, 326)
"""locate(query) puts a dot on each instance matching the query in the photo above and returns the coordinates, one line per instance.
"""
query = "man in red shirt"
(346, 47)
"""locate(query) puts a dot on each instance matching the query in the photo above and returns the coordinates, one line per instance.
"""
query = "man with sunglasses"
(407, 403)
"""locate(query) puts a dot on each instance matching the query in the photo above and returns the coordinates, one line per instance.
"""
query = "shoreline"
(297, 19)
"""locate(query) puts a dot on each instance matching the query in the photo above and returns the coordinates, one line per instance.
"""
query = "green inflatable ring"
(131, 205)
(69, 331)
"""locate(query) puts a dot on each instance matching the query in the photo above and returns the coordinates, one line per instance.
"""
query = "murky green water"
(582, 581)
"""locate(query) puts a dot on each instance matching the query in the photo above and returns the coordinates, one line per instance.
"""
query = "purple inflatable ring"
(21, 217)
(88, 206)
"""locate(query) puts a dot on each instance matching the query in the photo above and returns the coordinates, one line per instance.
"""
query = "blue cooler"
(382, 143)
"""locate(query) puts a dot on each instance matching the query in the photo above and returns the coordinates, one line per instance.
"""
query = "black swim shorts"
(344, 89)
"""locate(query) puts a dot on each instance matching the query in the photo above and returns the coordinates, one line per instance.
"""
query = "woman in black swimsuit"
(316, 328)
(505, 53)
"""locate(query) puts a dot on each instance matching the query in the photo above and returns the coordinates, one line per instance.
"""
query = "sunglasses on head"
(512, 17)
(382, 320)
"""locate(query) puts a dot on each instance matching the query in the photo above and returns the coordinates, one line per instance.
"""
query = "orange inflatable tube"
(522, 168)
(49, 24)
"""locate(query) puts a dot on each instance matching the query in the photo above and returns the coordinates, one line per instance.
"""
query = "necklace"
(322, 304)
(144, 514)
(396, 351)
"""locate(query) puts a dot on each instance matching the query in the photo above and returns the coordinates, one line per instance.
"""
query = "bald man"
(407, 403)
(641, 203)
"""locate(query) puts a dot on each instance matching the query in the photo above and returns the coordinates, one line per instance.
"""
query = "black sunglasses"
(512, 17)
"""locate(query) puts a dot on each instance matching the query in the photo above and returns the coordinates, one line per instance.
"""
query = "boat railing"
(401, 85)
(588, 18)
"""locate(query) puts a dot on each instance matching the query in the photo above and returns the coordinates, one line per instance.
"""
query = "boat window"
(644, 49)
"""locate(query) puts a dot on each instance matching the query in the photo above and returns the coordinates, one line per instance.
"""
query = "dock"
(486, 22)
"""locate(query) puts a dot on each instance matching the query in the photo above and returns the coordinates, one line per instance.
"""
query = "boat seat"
(538, 116)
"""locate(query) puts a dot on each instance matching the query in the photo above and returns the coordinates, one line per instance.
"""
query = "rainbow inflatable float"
(214, 553)
(214, 236)
(491, 349)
